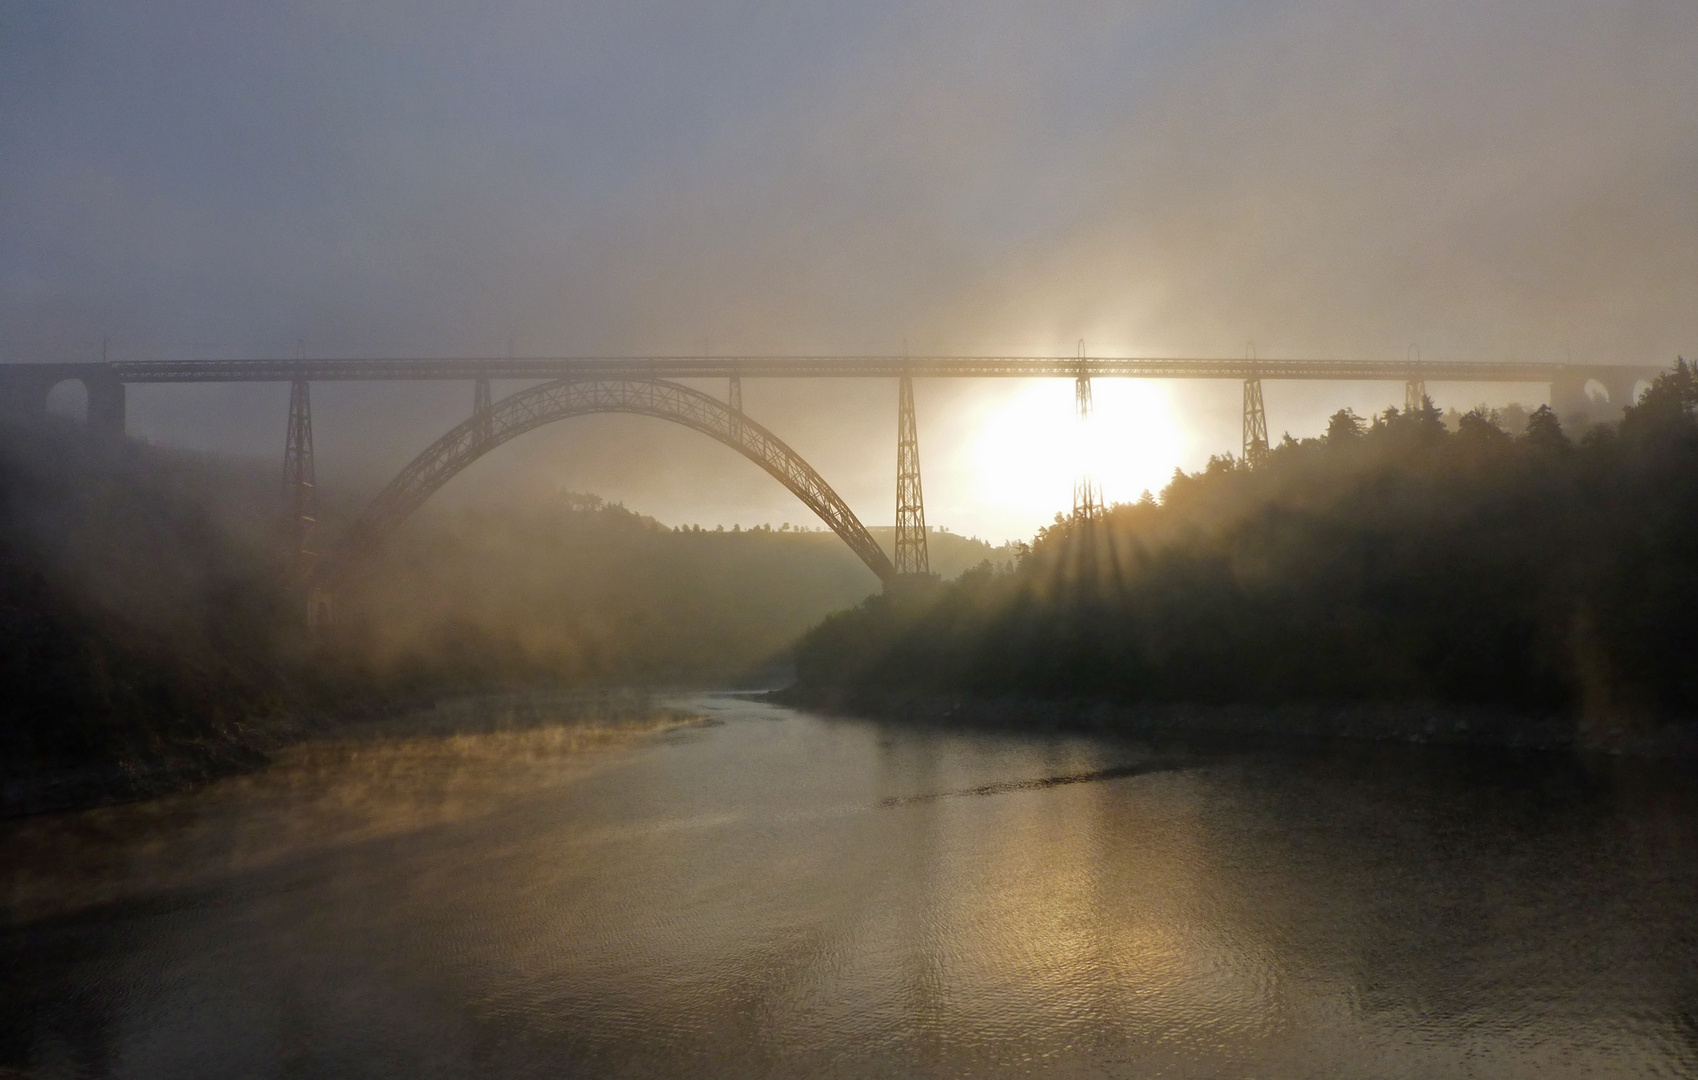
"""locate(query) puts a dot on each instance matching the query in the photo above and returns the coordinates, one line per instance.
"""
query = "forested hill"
(1387, 560)
(579, 589)
(145, 606)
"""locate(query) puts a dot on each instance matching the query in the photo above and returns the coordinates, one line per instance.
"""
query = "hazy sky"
(197, 178)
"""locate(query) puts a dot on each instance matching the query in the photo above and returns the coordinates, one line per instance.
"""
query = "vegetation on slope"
(132, 619)
(581, 590)
(1389, 560)
(146, 612)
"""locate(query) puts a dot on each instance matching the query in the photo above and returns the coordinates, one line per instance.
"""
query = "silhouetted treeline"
(573, 588)
(146, 608)
(133, 618)
(1390, 559)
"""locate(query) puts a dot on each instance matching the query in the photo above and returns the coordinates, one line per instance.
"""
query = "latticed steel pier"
(911, 557)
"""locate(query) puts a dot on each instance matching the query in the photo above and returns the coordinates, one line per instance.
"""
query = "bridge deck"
(791, 367)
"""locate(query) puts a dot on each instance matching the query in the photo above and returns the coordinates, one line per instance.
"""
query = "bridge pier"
(1087, 498)
(299, 499)
(912, 559)
(1255, 422)
(734, 398)
(1568, 397)
(480, 407)
(1571, 401)
(1414, 395)
(24, 389)
(105, 408)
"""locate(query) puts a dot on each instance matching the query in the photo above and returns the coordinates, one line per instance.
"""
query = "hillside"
(146, 612)
(1389, 560)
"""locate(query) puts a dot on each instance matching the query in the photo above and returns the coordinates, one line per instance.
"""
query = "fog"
(1305, 177)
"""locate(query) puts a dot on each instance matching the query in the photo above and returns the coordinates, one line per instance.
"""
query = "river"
(770, 893)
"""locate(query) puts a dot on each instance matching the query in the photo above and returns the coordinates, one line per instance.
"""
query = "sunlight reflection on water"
(785, 895)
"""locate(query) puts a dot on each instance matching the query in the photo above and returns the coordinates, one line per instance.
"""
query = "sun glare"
(1032, 446)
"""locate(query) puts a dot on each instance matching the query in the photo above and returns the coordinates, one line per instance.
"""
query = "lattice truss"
(1255, 423)
(911, 556)
(531, 408)
(298, 475)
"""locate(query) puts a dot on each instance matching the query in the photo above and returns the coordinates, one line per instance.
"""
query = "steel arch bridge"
(531, 408)
(636, 384)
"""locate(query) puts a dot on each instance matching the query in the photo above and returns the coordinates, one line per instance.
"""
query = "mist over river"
(711, 886)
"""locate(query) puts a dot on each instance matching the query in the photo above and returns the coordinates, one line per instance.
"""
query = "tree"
(1670, 405)
(1479, 425)
(1427, 420)
(1544, 430)
(1344, 427)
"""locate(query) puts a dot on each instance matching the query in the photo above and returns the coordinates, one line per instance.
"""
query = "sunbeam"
(1031, 446)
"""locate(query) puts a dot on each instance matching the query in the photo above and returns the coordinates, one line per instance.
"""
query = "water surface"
(778, 894)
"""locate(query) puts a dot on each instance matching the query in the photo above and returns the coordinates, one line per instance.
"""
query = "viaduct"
(573, 386)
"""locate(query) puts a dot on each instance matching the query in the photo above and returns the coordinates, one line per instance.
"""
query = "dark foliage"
(1389, 560)
(578, 590)
(130, 619)
(145, 611)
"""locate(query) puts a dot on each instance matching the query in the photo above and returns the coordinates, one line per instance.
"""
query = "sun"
(1032, 445)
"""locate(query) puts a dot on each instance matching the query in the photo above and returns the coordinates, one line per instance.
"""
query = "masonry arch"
(549, 402)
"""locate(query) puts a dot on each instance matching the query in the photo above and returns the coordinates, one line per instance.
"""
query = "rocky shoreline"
(1414, 723)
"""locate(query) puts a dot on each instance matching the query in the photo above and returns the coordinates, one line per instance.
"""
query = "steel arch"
(538, 405)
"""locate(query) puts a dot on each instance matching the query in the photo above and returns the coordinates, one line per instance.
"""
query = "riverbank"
(1415, 723)
(51, 788)
(186, 764)
(332, 790)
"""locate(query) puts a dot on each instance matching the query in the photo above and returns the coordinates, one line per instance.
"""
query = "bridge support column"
(1255, 423)
(1576, 407)
(911, 557)
(105, 408)
(480, 407)
(299, 501)
(734, 398)
(1087, 499)
(1414, 395)
(1621, 390)
(1568, 397)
